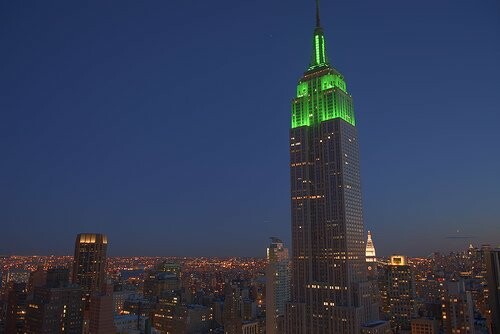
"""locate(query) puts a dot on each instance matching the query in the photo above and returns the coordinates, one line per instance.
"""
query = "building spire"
(318, 58)
(318, 21)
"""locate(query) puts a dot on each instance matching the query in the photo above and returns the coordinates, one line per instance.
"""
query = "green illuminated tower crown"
(321, 92)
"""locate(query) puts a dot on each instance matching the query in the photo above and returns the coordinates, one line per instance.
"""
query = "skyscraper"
(398, 293)
(277, 286)
(330, 292)
(89, 270)
(371, 258)
(89, 263)
(371, 255)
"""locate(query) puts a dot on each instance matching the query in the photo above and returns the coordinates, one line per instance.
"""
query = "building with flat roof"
(424, 326)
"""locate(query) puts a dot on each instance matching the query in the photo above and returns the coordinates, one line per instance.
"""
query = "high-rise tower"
(398, 291)
(277, 286)
(89, 263)
(89, 272)
(330, 292)
(371, 255)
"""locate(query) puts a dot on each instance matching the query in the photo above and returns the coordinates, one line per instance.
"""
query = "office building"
(424, 326)
(398, 292)
(457, 309)
(330, 292)
(101, 312)
(15, 319)
(89, 264)
(231, 316)
(376, 327)
(277, 286)
(492, 263)
(156, 284)
(57, 307)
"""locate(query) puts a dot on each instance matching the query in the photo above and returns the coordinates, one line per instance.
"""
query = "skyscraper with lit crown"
(371, 258)
(89, 264)
(330, 292)
(371, 255)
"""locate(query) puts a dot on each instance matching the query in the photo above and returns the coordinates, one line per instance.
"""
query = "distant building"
(372, 275)
(56, 277)
(398, 292)
(231, 314)
(119, 298)
(166, 312)
(89, 264)
(18, 276)
(170, 316)
(248, 309)
(277, 286)
(250, 327)
(424, 326)
(376, 327)
(131, 324)
(457, 309)
(492, 262)
(169, 267)
(37, 279)
(158, 283)
(198, 319)
(371, 257)
(370, 253)
(138, 305)
(15, 321)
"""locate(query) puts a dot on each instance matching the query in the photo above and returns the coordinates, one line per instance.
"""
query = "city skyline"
(99, 139)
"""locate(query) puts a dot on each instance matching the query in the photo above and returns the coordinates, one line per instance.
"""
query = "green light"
(316, 49)
(318, 58)
(321, 94)
(321, 98)
(302, 89)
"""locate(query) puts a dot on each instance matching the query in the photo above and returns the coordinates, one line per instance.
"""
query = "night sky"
(164, 124)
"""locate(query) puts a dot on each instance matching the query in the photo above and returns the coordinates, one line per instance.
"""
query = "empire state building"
(330, 292)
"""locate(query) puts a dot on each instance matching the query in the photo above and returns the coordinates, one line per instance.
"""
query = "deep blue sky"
(165, 123)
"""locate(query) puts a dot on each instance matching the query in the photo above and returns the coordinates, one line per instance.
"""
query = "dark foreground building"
(492, 259)
(57, 307)
(330, 291)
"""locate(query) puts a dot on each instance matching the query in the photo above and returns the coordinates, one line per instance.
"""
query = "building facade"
(89, 266)
(492, 264)
(398, 293)
(330, 292)
(15, 318)
(457, 309)
(101, 312)
(277, 286)
(424, 326)
(55, 310)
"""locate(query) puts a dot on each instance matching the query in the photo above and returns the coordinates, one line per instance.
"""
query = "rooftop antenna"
(318, 21)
